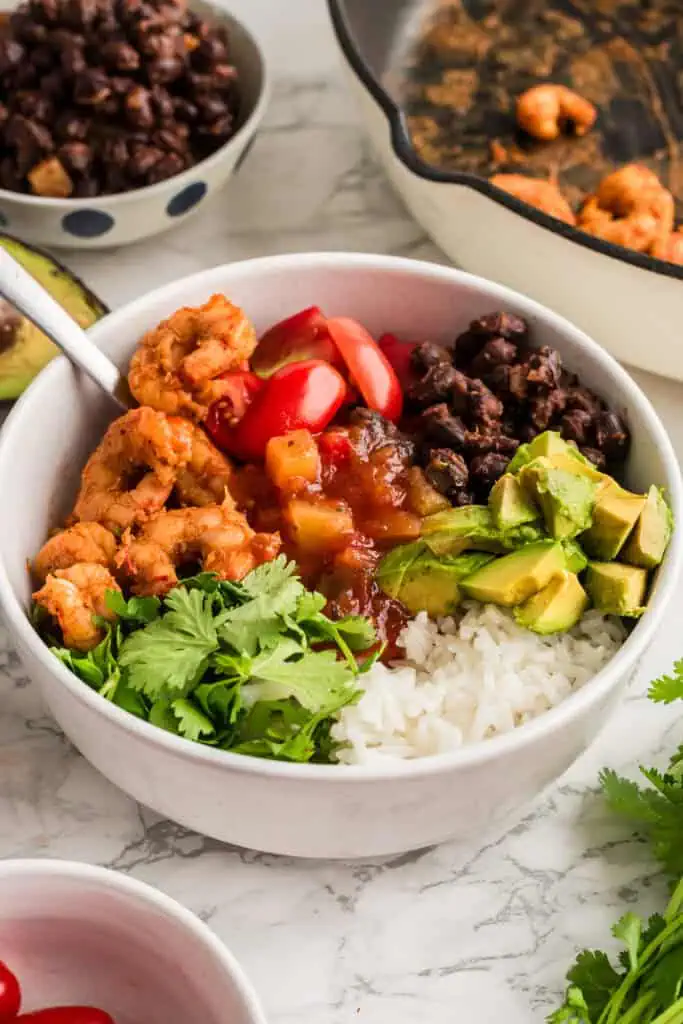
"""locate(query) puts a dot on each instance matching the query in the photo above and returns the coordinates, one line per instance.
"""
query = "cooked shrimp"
(545, 110)
(73, 597)
(216, 535)
(671, 248)
(131, 473)
(206, 478)
(177, 364)
(82, 542)
(544, 195)
(631, 208)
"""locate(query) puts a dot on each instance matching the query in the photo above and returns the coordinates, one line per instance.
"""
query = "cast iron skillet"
(374, 35)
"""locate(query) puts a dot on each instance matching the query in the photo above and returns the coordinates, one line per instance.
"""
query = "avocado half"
(24, 350)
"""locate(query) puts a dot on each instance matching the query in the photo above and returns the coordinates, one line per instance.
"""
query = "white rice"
(468, 679)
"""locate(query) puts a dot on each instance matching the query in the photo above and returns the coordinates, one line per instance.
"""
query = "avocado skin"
(556, 608)
(617, 589)
(647, 544)
(31, 350)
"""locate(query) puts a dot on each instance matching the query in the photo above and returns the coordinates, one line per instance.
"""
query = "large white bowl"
(106, 221)
(309, 810)
(81, 935)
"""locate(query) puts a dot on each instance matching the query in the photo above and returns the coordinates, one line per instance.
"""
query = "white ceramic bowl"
(81, 935)
(107, 221)
(629, 302)
(308, 810)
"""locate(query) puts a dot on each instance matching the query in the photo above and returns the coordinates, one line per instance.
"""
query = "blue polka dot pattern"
(185, 200)
(87, 223)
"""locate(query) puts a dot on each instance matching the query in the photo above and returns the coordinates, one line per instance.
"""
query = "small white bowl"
(107, 221)
(80, 935)
(310, 810)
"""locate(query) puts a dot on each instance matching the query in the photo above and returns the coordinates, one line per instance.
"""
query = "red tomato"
(370, 369)
(304, 395)
(10, 994)
(67, 1015)
(226, 412)
(299, 337)
(400, 355)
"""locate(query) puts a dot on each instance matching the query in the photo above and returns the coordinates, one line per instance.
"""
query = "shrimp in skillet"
(207, 477)
(545, 110)
(631, 208)
(73, 597)
(216, 536)
(177, 366)
(82, 542)
(133, 470)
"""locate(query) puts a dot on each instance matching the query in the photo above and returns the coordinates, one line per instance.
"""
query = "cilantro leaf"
(192, 723)
(278, 582)
(596, 979)
(628, 929)
(358, 632)
(135, 610)
(169, 656)
(317, 679)
(657, 812)
(667, 689)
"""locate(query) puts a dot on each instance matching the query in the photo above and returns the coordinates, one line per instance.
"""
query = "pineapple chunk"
(424, 499)
(325, 526)
(292, 457)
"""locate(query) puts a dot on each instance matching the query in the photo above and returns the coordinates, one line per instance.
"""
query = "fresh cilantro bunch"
(657, 810)
(254, 667)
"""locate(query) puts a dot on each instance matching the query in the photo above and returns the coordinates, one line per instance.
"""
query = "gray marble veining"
(454, 933)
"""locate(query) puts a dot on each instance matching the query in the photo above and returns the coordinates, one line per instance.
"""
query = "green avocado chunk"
(566, 498)
(614, 516)
(515, 577)
(556, 608)
(424, 582)
(510, 506)
(457, 529)
(24, 350)
(577, 560)
(546, 445)
(617, 589)
(648, 542)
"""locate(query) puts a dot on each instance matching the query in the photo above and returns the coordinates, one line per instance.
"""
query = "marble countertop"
(453, 933)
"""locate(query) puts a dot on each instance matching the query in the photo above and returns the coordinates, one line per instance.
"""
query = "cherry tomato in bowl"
(400, 355)
(370, 370)
(300, 337)
(67, 1015)
(10, 994)
(301, 396)
(225, 413)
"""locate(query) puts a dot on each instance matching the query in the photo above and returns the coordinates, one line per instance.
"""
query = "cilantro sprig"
(254, 667)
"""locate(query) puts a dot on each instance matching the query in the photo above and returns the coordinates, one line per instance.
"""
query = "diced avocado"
(617, 589)
(545, 445)
(24, 350)
(515, 577)
(509, 505)
(575, 556)
(457, 529)
(566, 498)
(614, 516)
(652, 533)
(556, 608)
(574, 462)
(392, 570)
(424, 582)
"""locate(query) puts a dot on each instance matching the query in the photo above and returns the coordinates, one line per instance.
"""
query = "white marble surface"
(465, 934)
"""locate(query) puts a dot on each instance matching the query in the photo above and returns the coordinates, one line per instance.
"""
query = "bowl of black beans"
(118, 118)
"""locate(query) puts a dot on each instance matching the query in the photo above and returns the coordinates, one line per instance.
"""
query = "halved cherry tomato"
(304, 395)
(67, 1015)
(226, 412)
(10, 994)
(299, 337)
(400, 355)
(370, 369)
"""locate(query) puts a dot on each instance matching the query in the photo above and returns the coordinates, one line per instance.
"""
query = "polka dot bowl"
(108, 221)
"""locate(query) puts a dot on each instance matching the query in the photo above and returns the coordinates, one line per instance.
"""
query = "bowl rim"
(408, 156)
(246, 129)
(143, 893)
(467, 756)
